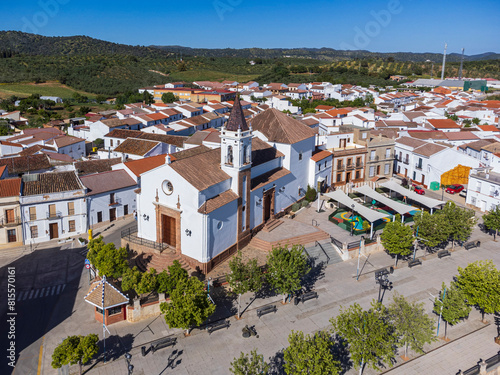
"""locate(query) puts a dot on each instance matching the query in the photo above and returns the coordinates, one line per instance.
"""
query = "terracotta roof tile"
(46, 183)
(140, 166)
(207, 162)
(266, 178)
(278, 127)
(444, 124)
(95, 166)
(27, 163)
(136, 146)
(262, 152)
(112, 296)
(236, 119)
(184, 154)
(320, 155)
(98, 183)
(218, 201)
(10, 187)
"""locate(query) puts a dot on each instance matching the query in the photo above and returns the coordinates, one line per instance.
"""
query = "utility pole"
(461, 64)
(444, 61)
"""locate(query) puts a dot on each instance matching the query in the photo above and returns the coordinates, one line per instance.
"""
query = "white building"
(483, 190)
(207, 202)
(110, 196)
(52, 206)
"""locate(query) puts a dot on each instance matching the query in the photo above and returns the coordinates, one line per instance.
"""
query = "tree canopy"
(412, 326)
(252, 364)
(106, 258)
(492, 219)
(369, 334)
(189, 305)
(286, 268)
(397, 238)
(451, 304)
(75, 349)
(310, 354)
(480, 284)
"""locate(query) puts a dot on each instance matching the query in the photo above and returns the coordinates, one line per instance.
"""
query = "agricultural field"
(51, 88)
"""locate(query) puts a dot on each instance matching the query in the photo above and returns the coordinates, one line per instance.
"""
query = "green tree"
(480, 283)
(412, 326)
(476, 121)
(432, 229)
(369, 334)
(451, 305)
(397, 238)
(311, 194)
(148, 282)
(106, 258)
(285, 269)
(147, 98)
(84, 110)
(188, 306)
(167, 281)
(75, 349)
(169, 97)
(252, 364)
(310, 354)
(244, 277)
(100, 98)
(130, 279)
(492, 219)
(459, 221)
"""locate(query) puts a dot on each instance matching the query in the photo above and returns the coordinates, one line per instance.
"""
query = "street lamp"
(382, 278)
(130, 367)
(442, 192)
(359, 256)
(352, 219)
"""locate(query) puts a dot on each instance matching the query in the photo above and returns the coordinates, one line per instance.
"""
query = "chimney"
(167, 159)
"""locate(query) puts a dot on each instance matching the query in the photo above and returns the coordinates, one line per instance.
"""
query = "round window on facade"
(167, 187)
(219, 225)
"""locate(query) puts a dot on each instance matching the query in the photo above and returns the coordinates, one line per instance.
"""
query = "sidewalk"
(201, 353)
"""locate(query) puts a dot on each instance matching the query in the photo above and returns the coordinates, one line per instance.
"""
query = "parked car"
(463, 193)
(453, 189)
(418, 189)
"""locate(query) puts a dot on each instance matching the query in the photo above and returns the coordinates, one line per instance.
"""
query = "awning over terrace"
(426, 201)
(400, 208)
(367, 213)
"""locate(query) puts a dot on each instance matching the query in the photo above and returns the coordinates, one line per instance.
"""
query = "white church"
(205, 203)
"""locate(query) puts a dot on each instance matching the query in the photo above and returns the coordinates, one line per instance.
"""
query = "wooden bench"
(266, 310)
(307, 296)
(162, 343)
(471, 244)
(219, 325)
(443, 253)
(413, 263)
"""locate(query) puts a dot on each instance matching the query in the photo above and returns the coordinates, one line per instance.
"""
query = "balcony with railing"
(8, 221)
(373, 158)
(389, 156)
(418, 166)
(54, 215)
(340, 167)
(115, 202)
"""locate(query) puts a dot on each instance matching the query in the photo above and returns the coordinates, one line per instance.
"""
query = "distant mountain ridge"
(33, 44)
(324, 54)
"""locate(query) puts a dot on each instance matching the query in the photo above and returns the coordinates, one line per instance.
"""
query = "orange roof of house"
(143, 165)
(337, 112)
(157, 116)
(2, 169)
(10, 187)
(442, 90)
(488, 128)
(321, 155)
(444, 124)
(324, 107)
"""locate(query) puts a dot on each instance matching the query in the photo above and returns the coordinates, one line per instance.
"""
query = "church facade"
(205, 203)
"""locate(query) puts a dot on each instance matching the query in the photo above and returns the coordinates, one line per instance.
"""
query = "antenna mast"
(444, 61)
(461, 64)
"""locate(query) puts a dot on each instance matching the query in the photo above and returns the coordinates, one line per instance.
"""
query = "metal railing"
(340, 167)
(419, 167)
(54, 215)
(406, 161)
(336, 242)
(130, 235)
(374, 158)
(316, 243)
(4, 221)
(115, 202)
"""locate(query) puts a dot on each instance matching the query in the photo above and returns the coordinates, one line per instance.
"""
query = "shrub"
(295, 207)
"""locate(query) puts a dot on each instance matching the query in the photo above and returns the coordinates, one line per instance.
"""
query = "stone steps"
(298, 240)
(272, 224)
(316, 252)
(160, 262)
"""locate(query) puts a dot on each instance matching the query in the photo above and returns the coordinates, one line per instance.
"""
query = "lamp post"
(382, 279)
(352, 219)
(130, 367)
(359, 256)
(442, 192)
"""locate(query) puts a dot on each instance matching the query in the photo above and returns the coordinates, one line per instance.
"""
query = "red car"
(418, 190)
(453, 189)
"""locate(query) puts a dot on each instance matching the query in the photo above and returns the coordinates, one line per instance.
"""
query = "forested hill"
(325, 54)
(31, 44)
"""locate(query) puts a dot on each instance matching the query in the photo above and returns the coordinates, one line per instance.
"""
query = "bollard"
(143, 351)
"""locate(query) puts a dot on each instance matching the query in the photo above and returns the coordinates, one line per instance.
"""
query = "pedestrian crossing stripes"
(40, 292)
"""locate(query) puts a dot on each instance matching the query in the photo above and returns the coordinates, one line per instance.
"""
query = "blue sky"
(379, 26)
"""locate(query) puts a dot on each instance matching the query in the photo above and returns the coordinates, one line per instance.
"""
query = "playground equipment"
(358, 221)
